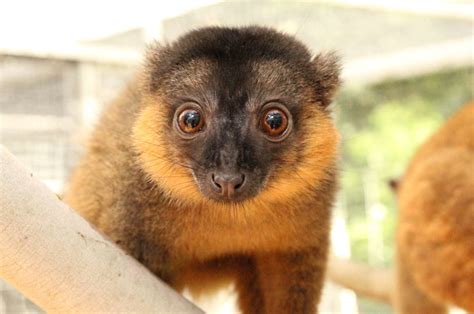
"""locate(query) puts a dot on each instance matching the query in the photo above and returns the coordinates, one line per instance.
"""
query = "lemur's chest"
(208, 239)
(206, 233)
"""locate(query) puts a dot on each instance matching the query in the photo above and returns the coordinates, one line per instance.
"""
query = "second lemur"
(217, 163)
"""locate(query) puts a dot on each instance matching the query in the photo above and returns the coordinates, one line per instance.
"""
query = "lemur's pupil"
(192, 119)
(274, 120)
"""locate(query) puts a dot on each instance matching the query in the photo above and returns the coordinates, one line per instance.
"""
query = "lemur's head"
(236, 115)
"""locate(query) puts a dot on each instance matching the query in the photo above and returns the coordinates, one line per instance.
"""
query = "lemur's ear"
(152, 66)
(394, 184)
(326, 73)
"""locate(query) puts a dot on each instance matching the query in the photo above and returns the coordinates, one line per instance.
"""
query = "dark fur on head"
(232, 73)
(235, 47)
(148, 185)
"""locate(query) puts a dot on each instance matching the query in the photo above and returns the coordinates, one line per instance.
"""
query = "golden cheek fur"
(161, 161)
(164, 164)
(308, 168)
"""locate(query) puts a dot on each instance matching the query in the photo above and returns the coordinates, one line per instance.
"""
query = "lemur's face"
(236, 115)
(233, 127)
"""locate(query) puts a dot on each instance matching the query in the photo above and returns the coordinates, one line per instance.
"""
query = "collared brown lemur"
(217, 163)
(435, 233)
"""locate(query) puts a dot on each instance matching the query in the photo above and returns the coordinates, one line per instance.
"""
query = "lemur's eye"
(275, 123)
(190, 120)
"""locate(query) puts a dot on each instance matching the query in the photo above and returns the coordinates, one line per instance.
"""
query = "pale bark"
(372, 282)
(54, 257)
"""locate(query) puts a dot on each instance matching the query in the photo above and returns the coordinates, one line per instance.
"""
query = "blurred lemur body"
(219, 163)
(435, 234)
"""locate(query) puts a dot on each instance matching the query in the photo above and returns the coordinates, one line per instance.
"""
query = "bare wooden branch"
(372, 282)
(61, 263)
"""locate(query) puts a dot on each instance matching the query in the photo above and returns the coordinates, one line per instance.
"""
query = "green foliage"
(381, 127)
(368, 306)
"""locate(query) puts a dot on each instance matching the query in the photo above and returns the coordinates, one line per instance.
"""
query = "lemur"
(435, 233)
(218, 162)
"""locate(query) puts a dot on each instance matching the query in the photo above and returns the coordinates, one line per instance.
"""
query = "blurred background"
(407, 66)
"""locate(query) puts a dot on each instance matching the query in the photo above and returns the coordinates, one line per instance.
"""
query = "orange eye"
(190, 121)
(274, 122)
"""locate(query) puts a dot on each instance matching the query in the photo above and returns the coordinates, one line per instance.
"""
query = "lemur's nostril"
(228, 184)
(217, 185)
(239, 184)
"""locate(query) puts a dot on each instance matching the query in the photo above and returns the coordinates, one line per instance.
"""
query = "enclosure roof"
(377, 40)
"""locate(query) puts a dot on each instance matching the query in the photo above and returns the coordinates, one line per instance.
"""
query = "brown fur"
(134, 185)
(435, 237)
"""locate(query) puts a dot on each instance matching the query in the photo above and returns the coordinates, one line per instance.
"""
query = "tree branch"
(61, 263)
(372, 282)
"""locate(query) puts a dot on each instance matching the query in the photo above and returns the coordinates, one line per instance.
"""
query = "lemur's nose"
(228, 184)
